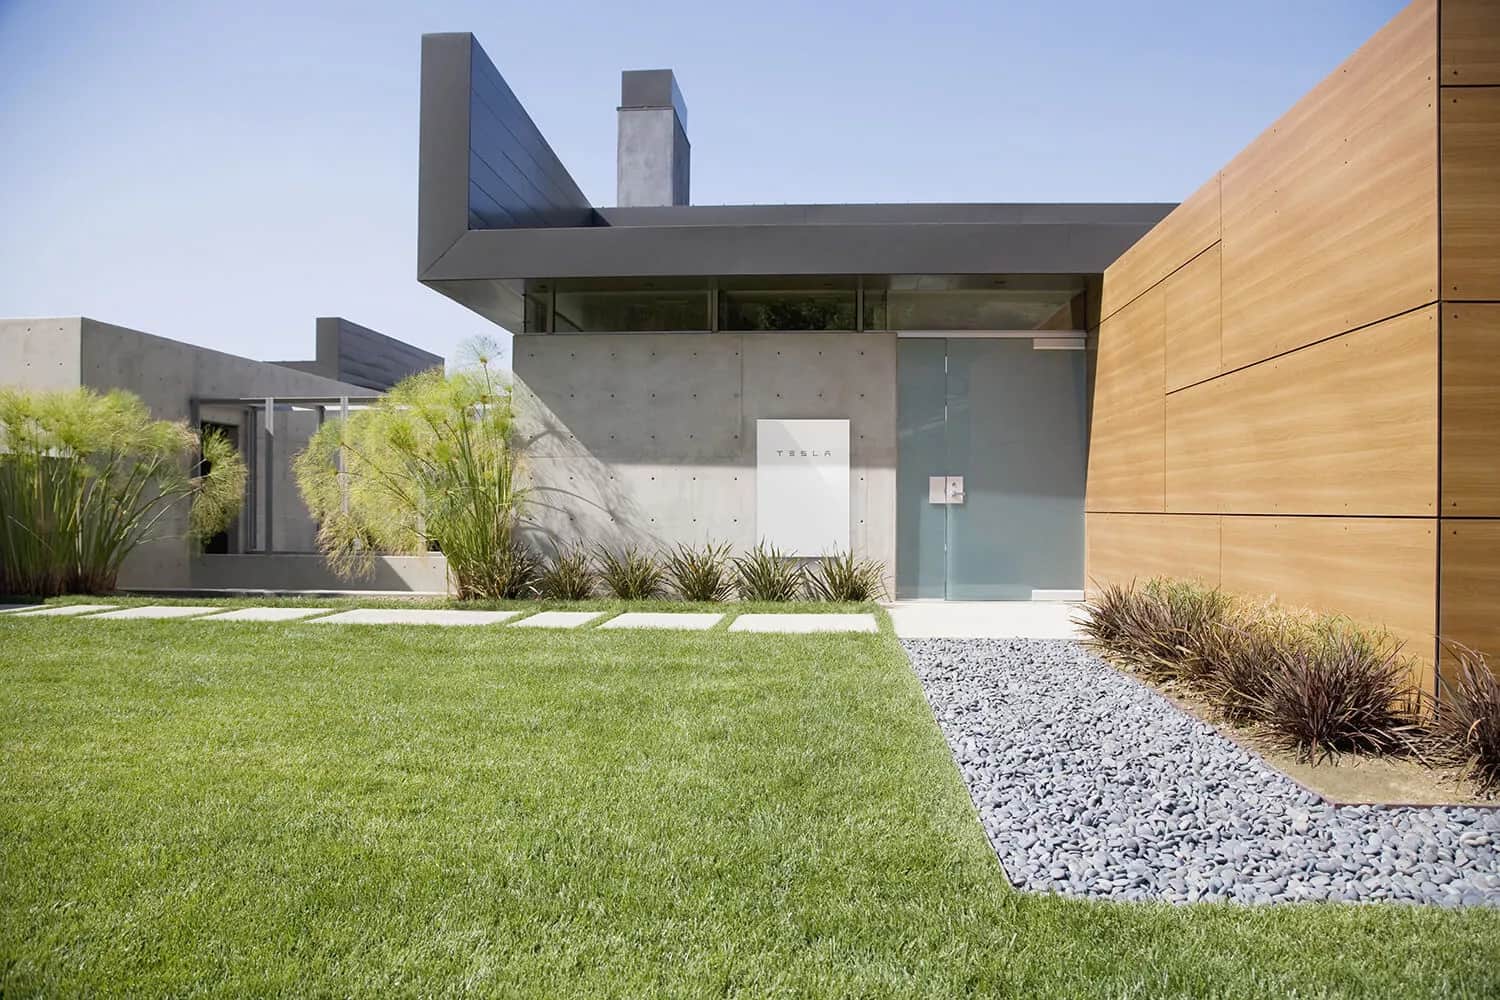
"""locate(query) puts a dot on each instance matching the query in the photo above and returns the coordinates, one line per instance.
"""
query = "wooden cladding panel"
(1471, 192)
(1125, 547)
(1191, 228)
(1347, 426)
(1470, 586)
(1192, 321)
(1470, 42)
(1471, 410)
(1330, 217)
(1127, 429)
(1379, 571)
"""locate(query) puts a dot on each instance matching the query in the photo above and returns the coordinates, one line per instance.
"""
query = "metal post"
(269, 486)
(343, 436)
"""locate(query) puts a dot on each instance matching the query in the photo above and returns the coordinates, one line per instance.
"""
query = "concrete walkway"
(984, 619)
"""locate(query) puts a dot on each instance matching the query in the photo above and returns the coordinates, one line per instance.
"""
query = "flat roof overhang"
(498, 208)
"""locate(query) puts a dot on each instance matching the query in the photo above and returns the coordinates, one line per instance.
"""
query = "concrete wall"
(348, 352)
(294, 571)
(650, 438)
(68, 352)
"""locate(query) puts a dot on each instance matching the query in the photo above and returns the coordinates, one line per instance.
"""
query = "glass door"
(993, 452)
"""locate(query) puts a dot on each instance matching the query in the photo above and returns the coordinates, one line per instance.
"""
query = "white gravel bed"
(1089, 783)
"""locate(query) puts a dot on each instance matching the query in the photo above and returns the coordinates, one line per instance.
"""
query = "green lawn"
(224, 809)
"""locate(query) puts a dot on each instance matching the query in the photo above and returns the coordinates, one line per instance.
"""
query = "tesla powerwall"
(802, 485)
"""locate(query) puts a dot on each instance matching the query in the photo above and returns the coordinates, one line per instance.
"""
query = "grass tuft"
(1466, 723)
(568, 577)
(630, 574)
(842, 577)
(701, 573)
(765, 573)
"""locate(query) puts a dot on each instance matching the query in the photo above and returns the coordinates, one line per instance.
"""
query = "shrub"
(1466, 724)
(1340, 690)
(842, 577)
(431, 463)
(630, 574)
(512, 572)
(85, 479)
(568, 577)
(701, 574)
(766, 574)
(1242, 656)
(1165, 629)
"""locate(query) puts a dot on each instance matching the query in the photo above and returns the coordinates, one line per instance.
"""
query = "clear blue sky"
(222, 173)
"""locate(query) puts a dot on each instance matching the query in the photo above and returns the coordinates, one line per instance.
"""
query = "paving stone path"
(681, 620)
(1088, 783)
(690, 620)
(558, 619)
(804, 623)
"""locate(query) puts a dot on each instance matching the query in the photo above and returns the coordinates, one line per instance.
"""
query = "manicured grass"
(282, 809)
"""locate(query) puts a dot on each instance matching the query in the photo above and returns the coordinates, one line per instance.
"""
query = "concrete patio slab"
(689, 620)
(158, 611)
(804, 623)
(66, 609)
(266, 615)
(557, 619)
(415, 616)
(984, 619)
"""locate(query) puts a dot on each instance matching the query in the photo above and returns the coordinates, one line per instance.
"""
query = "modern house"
(1284, 385)
(272, 546)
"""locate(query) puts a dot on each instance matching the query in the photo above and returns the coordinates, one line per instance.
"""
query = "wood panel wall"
(1469, 152)
(1328, 407)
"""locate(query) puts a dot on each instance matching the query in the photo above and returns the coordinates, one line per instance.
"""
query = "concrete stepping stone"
(692, 620)
(158, 611)
(804, 623)
(266, 615)
(557, 619)
(65, 609)
(415, 616)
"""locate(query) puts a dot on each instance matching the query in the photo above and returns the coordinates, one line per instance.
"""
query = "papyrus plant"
(431, 463)
(86, 478)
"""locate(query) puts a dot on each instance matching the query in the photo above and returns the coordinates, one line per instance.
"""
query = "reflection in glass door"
(993, 454)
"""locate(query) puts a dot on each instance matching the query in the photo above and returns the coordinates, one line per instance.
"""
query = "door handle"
(956, 489)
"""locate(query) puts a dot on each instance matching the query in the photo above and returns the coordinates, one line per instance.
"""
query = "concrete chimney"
(652, 165)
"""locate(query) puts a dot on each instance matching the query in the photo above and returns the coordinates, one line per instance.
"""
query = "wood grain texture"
(1126, 438)
(1346, 426)
(1470, 586)
(1120, 548)
(1330, 218)
(1377, 571)
(1192, 321)
(1471, 410)
(1470, 42)
(1471, 192)
(1191, 228)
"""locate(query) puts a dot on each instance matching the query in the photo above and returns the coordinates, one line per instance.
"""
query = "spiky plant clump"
(630, 574)
(1165, 629)
(1466, 726)
(568, 577)
(767, 574)
(701, 573)
(512, 573)
(431, 463)
(1243, 655)
(1342, 690)
(87, 478)
(842, 577)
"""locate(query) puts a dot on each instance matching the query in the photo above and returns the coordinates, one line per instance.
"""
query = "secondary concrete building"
(1285, 385)
(272, 546)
